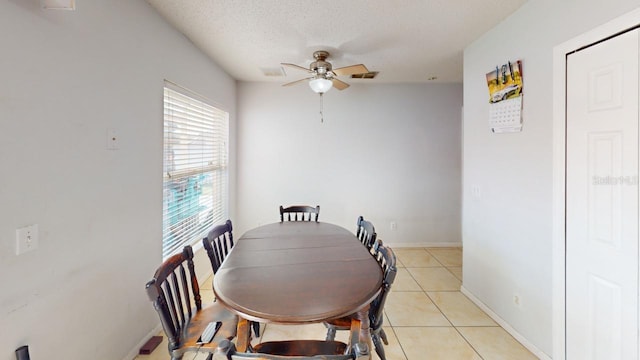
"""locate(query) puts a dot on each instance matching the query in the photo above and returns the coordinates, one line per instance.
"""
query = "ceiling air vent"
(58, 4)
(369, 75)
(273, 71)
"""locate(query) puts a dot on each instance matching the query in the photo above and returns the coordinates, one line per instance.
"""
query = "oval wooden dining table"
(297, 273)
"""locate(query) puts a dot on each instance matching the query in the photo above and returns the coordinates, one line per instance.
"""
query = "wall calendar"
(505, 98)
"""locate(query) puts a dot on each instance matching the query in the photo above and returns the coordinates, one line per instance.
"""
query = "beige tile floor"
(427, 317)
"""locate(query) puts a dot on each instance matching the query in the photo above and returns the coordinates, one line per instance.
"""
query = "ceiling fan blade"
(350, 70)
(296, 67)
(297, 81)
(340, 85)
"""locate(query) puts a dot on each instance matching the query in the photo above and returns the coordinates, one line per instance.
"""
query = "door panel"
(602, 201)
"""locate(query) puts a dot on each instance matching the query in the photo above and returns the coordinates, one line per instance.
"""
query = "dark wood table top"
(297, 272)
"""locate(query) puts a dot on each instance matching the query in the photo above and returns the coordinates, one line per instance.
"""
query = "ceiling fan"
(323, 76)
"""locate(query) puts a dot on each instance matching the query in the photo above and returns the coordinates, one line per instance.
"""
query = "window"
(195, 190)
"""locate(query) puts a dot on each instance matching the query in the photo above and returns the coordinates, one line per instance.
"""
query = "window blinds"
(195, 185)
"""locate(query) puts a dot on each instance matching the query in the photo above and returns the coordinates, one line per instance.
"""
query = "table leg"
(243, 341)
(365, 328)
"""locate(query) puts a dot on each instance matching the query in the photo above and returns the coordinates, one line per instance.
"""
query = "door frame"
(560, 52)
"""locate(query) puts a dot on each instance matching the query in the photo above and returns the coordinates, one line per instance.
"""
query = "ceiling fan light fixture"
(320, 85)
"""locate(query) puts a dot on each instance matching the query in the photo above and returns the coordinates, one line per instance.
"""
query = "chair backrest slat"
(366, 233)
(299, 213)
(187, 297)
(197, 300)
(184, 295)
(217, 255)
(218, 243)
(176, 313)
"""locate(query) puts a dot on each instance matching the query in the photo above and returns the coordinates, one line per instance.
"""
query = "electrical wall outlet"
(26, 239)
(394, 226)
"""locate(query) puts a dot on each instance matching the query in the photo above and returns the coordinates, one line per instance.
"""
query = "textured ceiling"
(405, 40)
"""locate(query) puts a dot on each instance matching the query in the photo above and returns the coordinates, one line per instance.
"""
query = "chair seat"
(200, 321)
(227, 350)
(343, 323)
(301, 347)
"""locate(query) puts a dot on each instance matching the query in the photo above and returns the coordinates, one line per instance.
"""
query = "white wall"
(387, 152)
(65, 77)
(507, 232)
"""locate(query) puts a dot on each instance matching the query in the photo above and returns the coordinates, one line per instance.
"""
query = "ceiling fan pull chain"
(321, 108)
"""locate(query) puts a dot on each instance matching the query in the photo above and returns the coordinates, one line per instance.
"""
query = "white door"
(602, 201)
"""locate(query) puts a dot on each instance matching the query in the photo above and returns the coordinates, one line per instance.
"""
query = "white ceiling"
(405, 40)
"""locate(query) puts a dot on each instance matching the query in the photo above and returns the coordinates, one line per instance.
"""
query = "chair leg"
(378, 345)
(384, 337)
(331, 333)
(256, 328)
(209, 357)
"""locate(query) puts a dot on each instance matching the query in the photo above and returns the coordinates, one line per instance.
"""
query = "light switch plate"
(26, 239)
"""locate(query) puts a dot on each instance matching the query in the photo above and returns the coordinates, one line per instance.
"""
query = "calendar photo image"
(505, 82)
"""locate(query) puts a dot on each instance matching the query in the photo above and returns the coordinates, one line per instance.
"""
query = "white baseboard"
(136, 349)
(523, 340)
(399, 245)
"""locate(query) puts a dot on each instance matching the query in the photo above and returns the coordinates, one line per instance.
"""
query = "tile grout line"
(393, 328)
(428, 297)
(433, 256)
(438, 307)
(467, 341)
(455, 327)
(442, 312)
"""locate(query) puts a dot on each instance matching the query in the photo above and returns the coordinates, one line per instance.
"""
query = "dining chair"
(366, 233)
(387, 260)
(294, 349)
(299, 213)
(175, 295)
(218, 243)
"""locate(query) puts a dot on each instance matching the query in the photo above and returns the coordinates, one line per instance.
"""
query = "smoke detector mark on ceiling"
(369, 75)
(273, 71)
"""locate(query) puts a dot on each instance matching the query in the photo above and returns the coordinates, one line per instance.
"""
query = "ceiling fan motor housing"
(320, 66)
